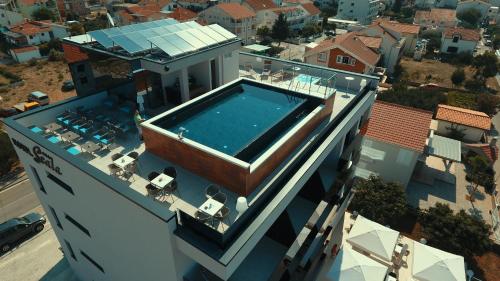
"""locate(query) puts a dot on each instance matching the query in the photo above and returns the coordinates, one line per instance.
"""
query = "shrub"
(474, 85)
(32, 62)
(55, 55)
(60, 77)
(458, 76)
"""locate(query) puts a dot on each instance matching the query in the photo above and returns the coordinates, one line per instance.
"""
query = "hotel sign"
(38, 155)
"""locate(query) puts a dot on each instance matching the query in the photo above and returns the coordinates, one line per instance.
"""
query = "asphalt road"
(39, 257)
(18, 200)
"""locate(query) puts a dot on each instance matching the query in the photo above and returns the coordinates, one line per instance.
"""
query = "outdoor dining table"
(53, 127)
(90, 146)
(161, 181)
(70, 136)
(124, 161)
(211, 207)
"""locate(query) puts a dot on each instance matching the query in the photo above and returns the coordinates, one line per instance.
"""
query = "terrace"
(190, 194)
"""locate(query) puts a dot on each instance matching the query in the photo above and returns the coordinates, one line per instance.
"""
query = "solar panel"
(192, 24)
(213, 34)
(192, 40)
(180, 43)
(102, 38)
(219, 29)
(166, 46)
(139, 39)
(112, 31)
(128, 45)
(203, 37)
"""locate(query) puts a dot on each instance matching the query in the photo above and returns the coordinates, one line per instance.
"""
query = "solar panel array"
(168, 35)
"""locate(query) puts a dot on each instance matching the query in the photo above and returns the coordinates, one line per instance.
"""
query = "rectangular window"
(353, 61)
(339, 59)
(92, 261)
(345, 60)
(38, 181)
(54, 214)
(60, 183)
(77, 224)
(322, 57)
(70, 249)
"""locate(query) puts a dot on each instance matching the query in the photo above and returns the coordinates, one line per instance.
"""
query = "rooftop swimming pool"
(233, 120)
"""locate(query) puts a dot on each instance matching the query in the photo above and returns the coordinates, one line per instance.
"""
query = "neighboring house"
(363, 11)
(9, 17)
(297, 16)
(482, 6)
(408, 32)
(351, 52)
(137, 14)
(394, 138)
(263, 10)
(194, 5)
(436, 19)
(487, 150)
(182, 14)
(458, 40)
(24, 54)
(15, 11)
(234, 17)
(34, 33)
(75, 7)
(474, 125)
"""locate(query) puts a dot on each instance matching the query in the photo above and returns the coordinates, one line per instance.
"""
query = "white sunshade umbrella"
(433, 264)
(373, 237)
(350, 265)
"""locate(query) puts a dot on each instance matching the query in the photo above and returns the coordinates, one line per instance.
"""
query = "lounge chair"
(74, 150)
(54, 139)
(36, 129)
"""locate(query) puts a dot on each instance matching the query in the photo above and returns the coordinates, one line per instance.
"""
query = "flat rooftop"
(192, 185)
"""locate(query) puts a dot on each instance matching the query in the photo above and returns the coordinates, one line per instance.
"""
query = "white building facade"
(363, 11)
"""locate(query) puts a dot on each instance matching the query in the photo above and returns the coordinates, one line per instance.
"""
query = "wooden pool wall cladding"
(221, 171)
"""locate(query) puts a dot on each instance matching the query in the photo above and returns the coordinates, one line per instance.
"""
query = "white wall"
(230, 66)
(129, 242)
(26, 56)
(397, 165)
(471, 134)
(10, 18)
(461, 45)
(363, 11)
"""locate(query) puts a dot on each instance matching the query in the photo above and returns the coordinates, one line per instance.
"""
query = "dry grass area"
(432, 71)
(46, 76)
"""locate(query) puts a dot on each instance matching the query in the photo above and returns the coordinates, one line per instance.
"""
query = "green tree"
(434, 38)
(488, 104)
(414, 97)
(470, 16)
(280, 30)
(263, 32)
(458, 76)
(383, 202)
(479, 173)
(475, 85)
(460, 233)
(310, 29)
(396, 8)
(486, 64)
(43, 14)
(7, 154)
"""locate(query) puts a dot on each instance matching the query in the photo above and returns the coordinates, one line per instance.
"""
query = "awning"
(256, 48)
(350, 265)
(363, 173)
(372, 153)
(446, 148)
(433, 264)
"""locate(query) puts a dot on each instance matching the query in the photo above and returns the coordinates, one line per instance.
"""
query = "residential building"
(394, 139)
(234, 17)
(297, 16)
(350, 52)
(409, 33)
(275, 169)
(436, 19)
(15, 11)
(136, 14)
(363, 11)
(182, 14)
(24, 54)
(34, 32)
(8, 16)
(263, 10)
(74, 7)
(459, 40)
(473, 125)
(195, 5)
(483, 7)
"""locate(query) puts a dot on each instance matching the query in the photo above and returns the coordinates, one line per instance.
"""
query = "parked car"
(25, 106)
(488, 43)
(39, 97)
(13, 230)
(67, 86)
(7, 112)
(330, 33)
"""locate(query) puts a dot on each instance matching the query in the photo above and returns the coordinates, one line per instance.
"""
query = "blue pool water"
(233, 122)
(307, 79)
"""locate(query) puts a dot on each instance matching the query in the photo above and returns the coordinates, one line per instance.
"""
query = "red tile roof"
(462, 116)
(371, 41)
(465, 34)
(24, 49)
(182, 14)
(31, 27)
(236, 11)
(397, 26)
(160, 3)
(491, 152)
(311, 9)
(436, 15)
(259, 5)
(404, 126)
